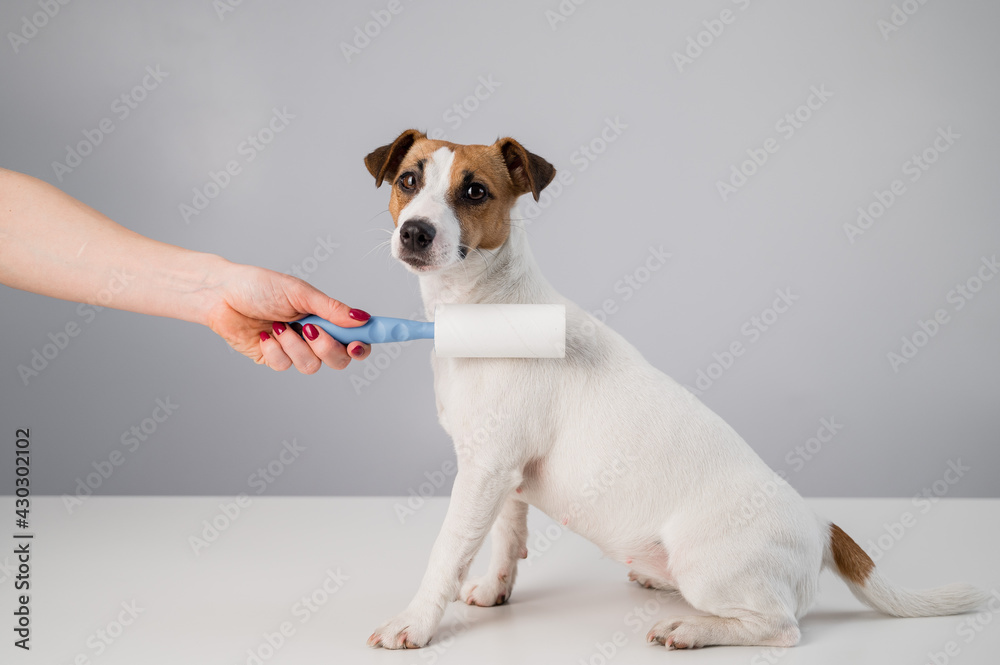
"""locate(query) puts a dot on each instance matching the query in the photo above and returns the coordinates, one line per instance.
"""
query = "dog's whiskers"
(381, 245)
(376, 215)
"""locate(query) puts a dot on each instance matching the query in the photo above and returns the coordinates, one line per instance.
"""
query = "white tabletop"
(118, 581)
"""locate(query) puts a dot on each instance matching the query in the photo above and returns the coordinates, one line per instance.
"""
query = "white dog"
(543, 432)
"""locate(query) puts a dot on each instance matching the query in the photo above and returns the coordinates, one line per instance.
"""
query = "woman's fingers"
(274, 355)
(325, 348)
(359, 351)
(297, 350)
(283, 348)
(330, 351)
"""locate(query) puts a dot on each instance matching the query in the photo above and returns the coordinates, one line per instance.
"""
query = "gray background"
(655, 185)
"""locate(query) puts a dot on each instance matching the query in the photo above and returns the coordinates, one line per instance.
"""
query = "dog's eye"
(476, 192)
(407, 181)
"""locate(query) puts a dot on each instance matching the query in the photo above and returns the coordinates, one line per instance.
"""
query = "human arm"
(55, 245)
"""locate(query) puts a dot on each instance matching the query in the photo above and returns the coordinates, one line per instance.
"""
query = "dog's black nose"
(416, 234)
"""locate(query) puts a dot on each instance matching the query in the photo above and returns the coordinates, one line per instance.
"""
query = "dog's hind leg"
(510, 536)
(750, 629)
(749, 604)
(651, 582)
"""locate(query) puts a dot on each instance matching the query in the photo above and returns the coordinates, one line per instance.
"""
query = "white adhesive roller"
(500, 331)
(468, 331)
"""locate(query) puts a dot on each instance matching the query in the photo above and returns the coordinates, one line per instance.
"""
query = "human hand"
(252, 310)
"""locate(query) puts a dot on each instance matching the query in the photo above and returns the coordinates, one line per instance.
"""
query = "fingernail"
(309, 330)
(278, 328)
(359, 315)
(358, 351)
(264, 337)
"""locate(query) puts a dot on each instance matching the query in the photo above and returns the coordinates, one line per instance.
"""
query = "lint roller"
(468, 331)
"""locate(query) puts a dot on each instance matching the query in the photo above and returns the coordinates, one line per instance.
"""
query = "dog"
(543, 431)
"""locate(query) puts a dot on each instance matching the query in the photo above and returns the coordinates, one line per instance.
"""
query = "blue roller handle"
(377, 329)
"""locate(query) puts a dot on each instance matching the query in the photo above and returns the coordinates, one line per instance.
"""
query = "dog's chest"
(485, 398)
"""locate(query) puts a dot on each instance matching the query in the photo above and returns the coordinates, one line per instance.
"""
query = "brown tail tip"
(853, 562)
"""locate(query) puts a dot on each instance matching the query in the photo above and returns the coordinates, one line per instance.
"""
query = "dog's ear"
(383, 162)
(529, 172)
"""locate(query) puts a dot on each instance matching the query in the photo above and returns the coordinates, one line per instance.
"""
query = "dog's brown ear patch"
(529, 172)
(383, 162)
(852, 561)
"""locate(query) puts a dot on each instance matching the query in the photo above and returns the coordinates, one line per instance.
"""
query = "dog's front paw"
(488, 590)
(407, 630)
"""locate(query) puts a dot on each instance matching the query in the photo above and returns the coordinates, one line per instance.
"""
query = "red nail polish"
(358, 351)
(264, 337)
(278, 328)
(309, 330)
(359, 315)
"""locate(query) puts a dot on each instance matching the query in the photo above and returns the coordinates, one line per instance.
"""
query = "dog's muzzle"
(416, 236)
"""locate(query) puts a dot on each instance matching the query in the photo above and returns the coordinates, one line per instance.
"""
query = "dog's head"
(449, 200)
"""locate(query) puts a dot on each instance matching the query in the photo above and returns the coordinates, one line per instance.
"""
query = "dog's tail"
(856, 568)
